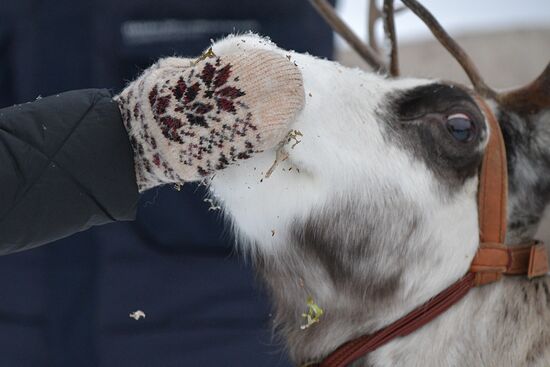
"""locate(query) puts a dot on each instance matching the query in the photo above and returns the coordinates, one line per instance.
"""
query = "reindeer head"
(372, 210)
(375, 205)
(523, 113)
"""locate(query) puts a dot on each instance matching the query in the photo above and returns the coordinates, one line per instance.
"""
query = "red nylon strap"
(355, 349)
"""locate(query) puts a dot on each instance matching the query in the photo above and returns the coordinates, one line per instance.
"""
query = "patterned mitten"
(188, 119)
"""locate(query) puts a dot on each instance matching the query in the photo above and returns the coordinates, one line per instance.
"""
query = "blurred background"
(68, 303)
(508, 40)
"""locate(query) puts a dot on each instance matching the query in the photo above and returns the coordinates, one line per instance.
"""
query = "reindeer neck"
(366, 264)
(504, 324)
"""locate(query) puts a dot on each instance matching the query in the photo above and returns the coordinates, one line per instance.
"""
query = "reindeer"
(372, 211)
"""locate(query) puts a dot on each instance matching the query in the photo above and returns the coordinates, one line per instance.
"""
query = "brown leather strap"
(355, 349)
(538, 261)
(493, 183)
(493, 259)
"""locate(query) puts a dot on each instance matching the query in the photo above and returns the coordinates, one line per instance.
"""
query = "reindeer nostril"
(461, 127)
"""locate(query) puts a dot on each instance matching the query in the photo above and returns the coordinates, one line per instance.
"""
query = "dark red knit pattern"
(201, 110)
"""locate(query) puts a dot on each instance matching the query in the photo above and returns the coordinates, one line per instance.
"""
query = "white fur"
(344, 150)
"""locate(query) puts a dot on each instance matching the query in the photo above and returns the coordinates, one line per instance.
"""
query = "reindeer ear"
(530, 99)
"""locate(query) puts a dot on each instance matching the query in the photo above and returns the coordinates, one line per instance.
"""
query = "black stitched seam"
(87, 192)
(13, 156)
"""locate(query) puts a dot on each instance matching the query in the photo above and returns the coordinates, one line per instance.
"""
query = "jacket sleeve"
(65, 165)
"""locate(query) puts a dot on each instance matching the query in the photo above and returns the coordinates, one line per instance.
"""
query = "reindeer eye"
(461, 127)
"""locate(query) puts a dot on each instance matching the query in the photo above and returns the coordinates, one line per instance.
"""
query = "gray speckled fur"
(503, 324)
(528, 149)
(371, 259)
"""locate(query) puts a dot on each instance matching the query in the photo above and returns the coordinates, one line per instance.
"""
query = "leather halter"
(492, 260)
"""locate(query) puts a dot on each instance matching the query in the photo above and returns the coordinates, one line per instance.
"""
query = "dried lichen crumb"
(313, 314)
(294, 135)
(137, 315)
(213, 206)
(280, 154)
(207, 55)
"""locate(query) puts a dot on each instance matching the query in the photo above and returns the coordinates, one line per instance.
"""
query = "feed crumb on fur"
(272, 233)
(213, 206)
(281, 155)
(205, 181)
(207, 55)
(293, 135)
(137, 315)
(313, 314)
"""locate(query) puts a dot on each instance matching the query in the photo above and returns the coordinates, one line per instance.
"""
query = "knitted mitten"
(188, 119)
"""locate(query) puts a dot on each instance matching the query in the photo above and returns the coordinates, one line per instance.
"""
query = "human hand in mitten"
(187, 119)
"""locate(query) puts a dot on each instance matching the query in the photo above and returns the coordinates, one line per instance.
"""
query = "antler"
(529, 99)
(370, 52)
(450, 44)
(374, 13)
(389, 27)
(369, 55)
